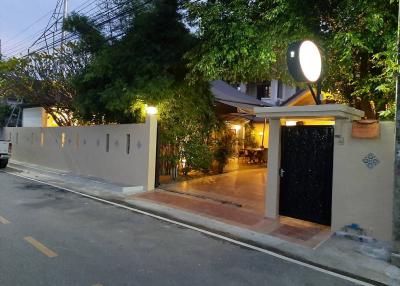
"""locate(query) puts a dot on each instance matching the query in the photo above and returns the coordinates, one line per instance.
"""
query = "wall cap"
(307, 111)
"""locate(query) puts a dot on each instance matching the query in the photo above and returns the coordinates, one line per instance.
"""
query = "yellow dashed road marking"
(3, 220)
(41, 247)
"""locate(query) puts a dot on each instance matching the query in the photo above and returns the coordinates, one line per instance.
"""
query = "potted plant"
(224, 148)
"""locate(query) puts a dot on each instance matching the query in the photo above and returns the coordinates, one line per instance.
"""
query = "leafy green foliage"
(44, 80)
(249, 136)
(5, 112)
(388, 114)
(246, 41)
(360, 48)
(92, 39)
(147, 66)
(223, 146)
(142, 66)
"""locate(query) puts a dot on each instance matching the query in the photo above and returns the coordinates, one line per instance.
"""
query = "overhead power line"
(100, 19)
(53, 36)
(85, 4)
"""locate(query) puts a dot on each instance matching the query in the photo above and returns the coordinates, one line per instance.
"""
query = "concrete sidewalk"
(335, 253)
(289, 229)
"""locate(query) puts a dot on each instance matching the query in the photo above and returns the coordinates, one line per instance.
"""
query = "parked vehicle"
(5, 153)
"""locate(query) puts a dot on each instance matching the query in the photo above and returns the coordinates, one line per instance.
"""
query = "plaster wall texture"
(258, 131)
(122, 154)
(362, 194)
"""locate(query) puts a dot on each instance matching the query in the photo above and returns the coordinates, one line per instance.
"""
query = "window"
(263, 90)
(236, 86)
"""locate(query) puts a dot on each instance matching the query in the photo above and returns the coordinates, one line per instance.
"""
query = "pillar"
(151, 122)
(274, 162)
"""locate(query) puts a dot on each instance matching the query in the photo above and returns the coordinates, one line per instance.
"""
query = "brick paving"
(296, 231)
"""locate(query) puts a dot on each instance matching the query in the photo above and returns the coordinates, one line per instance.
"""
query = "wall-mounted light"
(151, 110)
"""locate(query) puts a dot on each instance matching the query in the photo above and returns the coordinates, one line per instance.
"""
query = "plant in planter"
(224, 147)
(249, 137)
(197, 155)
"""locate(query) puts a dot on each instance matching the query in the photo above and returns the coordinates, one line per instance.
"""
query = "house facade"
(273, 92)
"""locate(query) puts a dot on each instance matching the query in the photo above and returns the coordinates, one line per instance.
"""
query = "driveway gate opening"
(306, 173)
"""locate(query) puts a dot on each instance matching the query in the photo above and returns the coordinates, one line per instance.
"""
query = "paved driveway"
(242, 187)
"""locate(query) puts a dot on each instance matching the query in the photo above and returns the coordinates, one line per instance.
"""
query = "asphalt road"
(53, 237)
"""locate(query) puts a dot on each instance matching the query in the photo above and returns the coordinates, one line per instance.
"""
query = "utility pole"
(65, 14)
(396, 190)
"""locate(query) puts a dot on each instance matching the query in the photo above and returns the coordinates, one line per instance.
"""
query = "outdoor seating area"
(253, 156)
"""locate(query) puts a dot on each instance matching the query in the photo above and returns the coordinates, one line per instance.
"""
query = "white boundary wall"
(127, 159)
(361, 194)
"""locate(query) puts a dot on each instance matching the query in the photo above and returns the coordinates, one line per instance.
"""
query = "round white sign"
(310, 61)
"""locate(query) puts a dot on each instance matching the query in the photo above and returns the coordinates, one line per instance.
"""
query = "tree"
(43, 80)
(360, 50)
(147, 66)
(246, 41)
(5, 112)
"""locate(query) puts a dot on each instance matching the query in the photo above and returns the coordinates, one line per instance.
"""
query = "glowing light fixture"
(183, 162)
(152, 110)
(291, 123)
(304, 61)
(305, 65)
(236, 127)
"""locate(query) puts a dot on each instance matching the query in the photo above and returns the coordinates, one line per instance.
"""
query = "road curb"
(160, 215)
(254, 243)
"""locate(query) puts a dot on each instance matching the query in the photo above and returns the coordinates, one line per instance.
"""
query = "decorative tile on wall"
(371, 161)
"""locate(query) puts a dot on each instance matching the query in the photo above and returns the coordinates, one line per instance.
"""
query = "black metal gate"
(306, 173)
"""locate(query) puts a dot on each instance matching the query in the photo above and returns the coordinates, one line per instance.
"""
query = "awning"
(226, 94)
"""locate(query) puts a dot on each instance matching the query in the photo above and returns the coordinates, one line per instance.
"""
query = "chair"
(248, 155)
(242, 155)
(265, 155)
